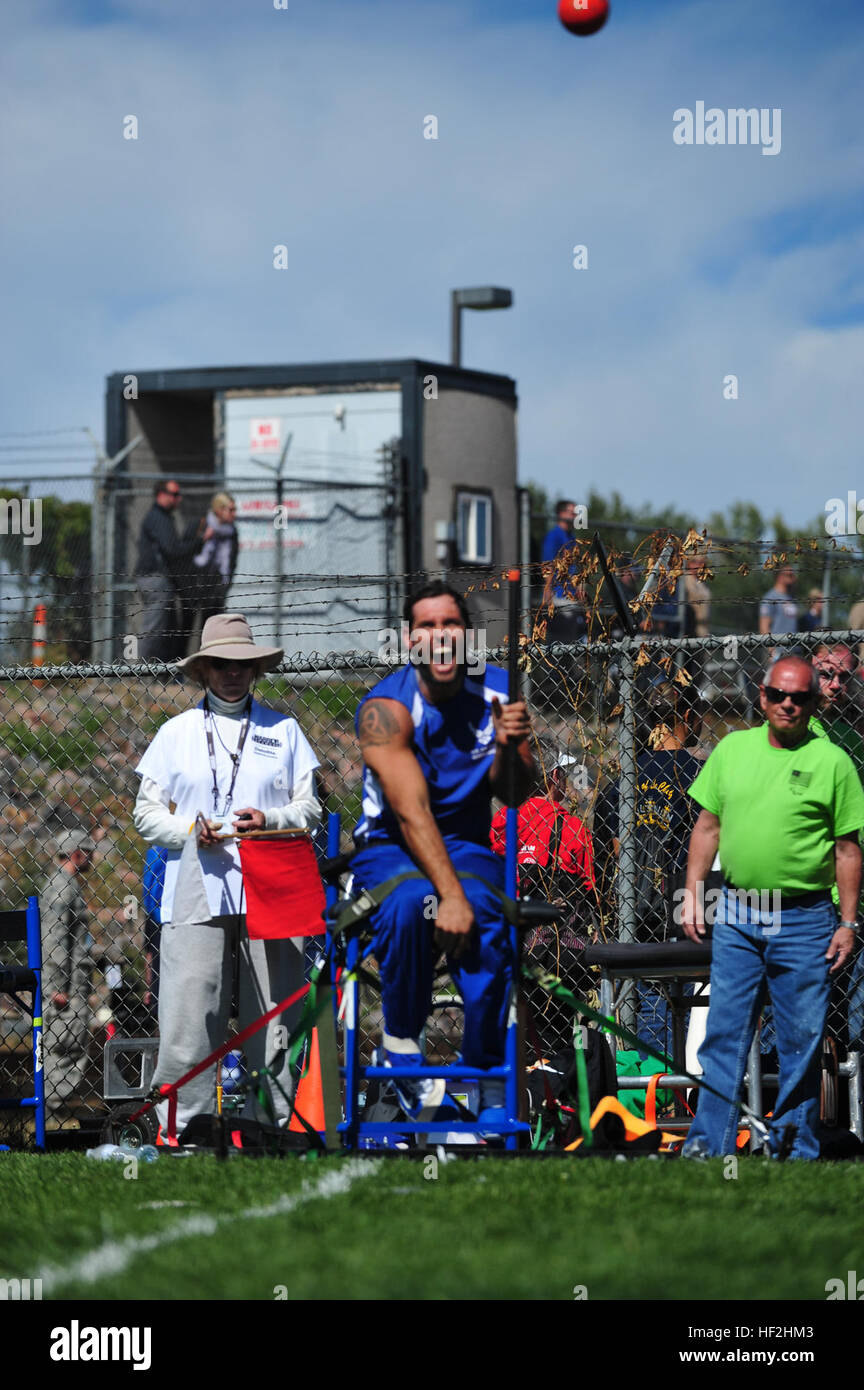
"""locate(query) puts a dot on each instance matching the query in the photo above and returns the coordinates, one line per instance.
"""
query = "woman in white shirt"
(241, 766)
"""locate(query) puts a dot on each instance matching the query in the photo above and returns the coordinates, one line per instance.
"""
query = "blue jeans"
(752, 954)
(652, 1019)
(856, 1005)
(405, 951)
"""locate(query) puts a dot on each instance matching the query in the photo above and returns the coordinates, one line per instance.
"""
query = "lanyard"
(209, 726)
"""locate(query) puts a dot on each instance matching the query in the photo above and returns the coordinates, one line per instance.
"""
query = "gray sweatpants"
(158, 637)
(196, 973)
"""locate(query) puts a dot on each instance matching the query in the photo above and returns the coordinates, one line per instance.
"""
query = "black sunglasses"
(776, 697)
(219, 663)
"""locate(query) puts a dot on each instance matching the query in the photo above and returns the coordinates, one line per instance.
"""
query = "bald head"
(794, 667)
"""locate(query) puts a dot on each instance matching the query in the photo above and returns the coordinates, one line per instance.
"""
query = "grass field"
(381, 1229)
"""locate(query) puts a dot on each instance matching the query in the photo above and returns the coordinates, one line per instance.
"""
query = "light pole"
(487, 297)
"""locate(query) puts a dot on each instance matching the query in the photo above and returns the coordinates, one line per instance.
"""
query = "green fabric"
(780, 809)
(841, 733)
(554, 987)
(629, 1063)
(838, 731)
(583, 1099)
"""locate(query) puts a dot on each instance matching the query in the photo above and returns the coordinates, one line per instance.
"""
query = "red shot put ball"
(583, 16)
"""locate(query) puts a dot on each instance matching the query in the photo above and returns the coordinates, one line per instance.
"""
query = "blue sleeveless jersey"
(454, 743)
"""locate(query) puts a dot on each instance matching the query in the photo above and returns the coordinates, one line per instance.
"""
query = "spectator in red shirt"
(550, 837)
(556, 862)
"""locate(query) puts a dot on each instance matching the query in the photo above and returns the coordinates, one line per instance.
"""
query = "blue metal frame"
(353, 1128)
(36, 1102)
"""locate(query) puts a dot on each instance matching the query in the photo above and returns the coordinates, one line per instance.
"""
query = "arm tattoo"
(377, 724)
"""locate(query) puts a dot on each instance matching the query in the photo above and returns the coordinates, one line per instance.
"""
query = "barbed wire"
(32, 434)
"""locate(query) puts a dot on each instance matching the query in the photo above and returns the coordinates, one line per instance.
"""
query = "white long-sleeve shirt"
(159, 825)
(276, 775)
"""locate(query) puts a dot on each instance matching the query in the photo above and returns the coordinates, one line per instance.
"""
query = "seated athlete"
(433, 737)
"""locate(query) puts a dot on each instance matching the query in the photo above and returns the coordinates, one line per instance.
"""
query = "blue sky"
(304, 127)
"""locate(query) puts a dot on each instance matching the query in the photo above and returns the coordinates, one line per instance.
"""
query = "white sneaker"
(420, 1097)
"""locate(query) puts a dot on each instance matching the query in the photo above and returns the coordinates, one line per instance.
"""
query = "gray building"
(352, 480)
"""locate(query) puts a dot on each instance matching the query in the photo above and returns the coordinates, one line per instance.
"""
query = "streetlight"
(488, 297)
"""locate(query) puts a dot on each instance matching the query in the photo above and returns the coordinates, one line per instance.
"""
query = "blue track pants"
(405, 950)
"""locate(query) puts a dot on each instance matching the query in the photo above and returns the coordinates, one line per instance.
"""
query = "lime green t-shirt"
(780, 809)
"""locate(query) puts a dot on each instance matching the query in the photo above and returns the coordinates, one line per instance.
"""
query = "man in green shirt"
(835, 666)
(783, 806)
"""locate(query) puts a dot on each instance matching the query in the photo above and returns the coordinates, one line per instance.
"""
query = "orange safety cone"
(309, 1100)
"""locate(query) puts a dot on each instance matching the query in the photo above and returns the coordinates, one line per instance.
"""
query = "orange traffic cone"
(309, 1100)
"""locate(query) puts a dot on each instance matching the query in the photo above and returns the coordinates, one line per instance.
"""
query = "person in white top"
(230, 765)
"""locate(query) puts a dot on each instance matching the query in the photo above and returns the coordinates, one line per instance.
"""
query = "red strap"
(171, 1088)
(651, 1098)
(683, 1099)
(171, 1128)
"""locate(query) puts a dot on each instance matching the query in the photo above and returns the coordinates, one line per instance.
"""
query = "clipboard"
(201, 820)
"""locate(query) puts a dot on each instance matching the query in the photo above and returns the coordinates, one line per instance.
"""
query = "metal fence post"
(627, 815)
(26, 607)
(110, 497)
(97, 563)
(524, 498)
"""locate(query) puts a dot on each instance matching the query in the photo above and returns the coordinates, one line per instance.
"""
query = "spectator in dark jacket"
(160, 572)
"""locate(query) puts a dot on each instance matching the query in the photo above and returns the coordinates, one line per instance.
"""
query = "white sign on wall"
(265, 435)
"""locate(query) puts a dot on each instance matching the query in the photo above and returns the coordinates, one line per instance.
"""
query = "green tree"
(743, 551)
(55, 570)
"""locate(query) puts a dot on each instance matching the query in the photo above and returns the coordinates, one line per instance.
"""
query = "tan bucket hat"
(229, 636)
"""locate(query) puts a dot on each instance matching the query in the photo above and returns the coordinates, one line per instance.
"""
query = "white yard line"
(157, 1206)
(115, 1256)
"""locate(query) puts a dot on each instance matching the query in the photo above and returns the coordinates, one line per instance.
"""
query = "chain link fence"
(317, 556)
(621, 728)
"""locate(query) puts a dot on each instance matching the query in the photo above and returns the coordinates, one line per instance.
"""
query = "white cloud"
(307, 129)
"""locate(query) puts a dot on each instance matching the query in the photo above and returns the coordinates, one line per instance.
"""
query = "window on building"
(474, 528)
